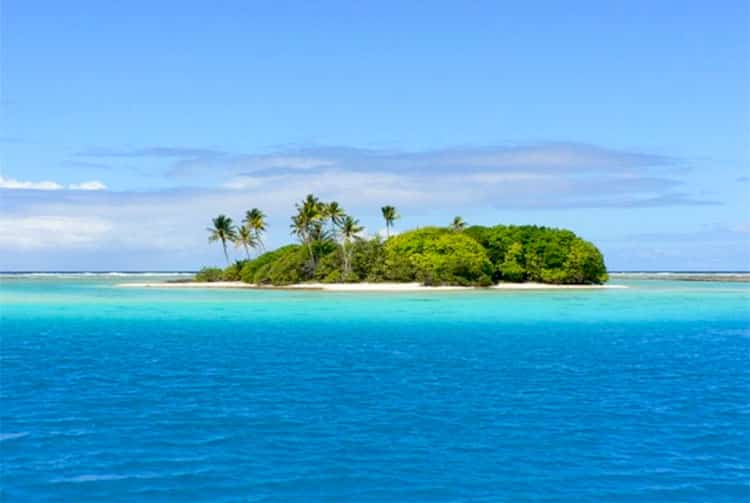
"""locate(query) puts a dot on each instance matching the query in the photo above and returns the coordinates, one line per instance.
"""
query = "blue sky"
(126, 127)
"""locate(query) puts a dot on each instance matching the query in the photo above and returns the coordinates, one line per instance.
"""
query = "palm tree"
(255, 221)
(335, 213)
(458, 224)
(222, 230)
(390, 216)
(307, 224)
(350, 230)
(245, 238)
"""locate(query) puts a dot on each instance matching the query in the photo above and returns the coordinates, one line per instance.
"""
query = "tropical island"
(333, 249)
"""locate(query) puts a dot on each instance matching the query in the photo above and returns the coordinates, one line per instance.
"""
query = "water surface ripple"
(112, 394)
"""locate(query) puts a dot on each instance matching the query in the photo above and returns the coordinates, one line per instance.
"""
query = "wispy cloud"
(553, 175)
(539, 177)
(559, 156)
(707, 234)
(545, 175)
(50, 232)
(86, 165)
(158, 151)
(91, 185)
(13, 184)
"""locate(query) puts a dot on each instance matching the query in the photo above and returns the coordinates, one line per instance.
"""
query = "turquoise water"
(122, 394)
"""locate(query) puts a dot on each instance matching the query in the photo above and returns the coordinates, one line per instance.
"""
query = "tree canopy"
(534, 253)
(437, 256)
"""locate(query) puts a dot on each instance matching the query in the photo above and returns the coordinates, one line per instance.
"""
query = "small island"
(332, 250)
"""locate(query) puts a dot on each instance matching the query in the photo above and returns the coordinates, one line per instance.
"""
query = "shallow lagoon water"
(126, 394)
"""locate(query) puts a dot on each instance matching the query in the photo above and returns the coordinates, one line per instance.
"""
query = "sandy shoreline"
(364, 287)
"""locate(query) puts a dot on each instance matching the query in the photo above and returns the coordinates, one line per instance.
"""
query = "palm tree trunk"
(247, 252)
(226, 255)
(310, 251)
(344, 256)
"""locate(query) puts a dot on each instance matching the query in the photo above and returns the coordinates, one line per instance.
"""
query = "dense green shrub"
(584, 264)
(532, 253)
(287, 268)
(368, 260)
(233, 271)
(209, 274)
(511, 268)
(554, 276)
(435, 256)
(251, 267)
(329, 267)
(367, 263)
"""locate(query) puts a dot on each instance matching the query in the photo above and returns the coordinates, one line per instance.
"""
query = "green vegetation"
(331, 249)
(272, 268)
(437, 256)
(255, 225)
(209, 274)
(248, 235)
(532, 253)
(246, 240)
(350, 230)
(233, 272)
(223, 230)
(390, 215)
(458, 224)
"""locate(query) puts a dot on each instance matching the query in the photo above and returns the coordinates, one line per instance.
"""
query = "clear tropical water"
(113, 394)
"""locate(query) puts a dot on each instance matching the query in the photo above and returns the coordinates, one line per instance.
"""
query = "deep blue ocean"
(127, 394)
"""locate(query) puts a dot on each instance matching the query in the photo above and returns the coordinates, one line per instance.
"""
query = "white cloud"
(50, 232)
(245, 182)
(419, 184)
(90, 185)
(288, 161)
(13, 184)
(559, 157)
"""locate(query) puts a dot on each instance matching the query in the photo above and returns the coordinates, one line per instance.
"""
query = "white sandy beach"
(364, 287)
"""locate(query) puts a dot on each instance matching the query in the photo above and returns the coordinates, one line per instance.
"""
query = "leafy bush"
(324, 247)
(209, 274)
(511, 268)
(287, 268)
(551, 245)
(584, 264)
(251, 267)
(233, 272)
(329, 267)
(435, 256)
(332, 277)
(554, 276)
(532, 253)
(367, 263)
(368, 260)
